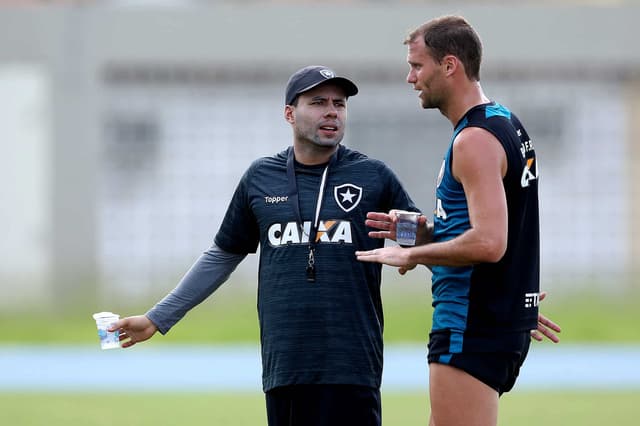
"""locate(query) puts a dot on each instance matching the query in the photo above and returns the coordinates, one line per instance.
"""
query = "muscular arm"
(210, 271)
(479, 164)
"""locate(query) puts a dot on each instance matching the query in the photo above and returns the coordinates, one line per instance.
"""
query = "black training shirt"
(328, 331)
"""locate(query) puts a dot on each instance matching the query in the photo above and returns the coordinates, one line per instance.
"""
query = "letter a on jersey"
(528, 174)
(347, 196)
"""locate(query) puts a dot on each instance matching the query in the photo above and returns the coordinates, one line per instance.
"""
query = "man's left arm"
(479, 164)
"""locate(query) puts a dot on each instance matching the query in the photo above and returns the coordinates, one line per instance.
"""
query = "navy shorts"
(324, 405)
(494, 361)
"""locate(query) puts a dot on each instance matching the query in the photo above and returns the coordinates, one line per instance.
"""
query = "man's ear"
(451, 64)
(289, 114)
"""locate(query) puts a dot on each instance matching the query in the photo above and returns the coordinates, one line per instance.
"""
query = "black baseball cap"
(309, 77)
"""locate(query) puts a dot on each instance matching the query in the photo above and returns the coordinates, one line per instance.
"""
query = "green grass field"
(517, 409)
(230, 317)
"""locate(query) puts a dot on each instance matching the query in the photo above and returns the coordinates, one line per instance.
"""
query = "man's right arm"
(211, 269)
(208, 273)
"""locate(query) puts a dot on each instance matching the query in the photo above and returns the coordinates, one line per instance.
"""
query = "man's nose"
(411, 78)
(331, 110)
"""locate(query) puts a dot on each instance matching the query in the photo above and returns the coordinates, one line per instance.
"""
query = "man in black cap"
(320, 310)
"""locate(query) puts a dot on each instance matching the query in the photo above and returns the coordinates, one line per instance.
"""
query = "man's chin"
(427, 105)
(328, 144)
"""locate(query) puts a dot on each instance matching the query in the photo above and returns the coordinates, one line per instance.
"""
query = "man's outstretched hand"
(134, 330)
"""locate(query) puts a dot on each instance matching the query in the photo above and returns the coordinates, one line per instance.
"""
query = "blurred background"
(126, 125)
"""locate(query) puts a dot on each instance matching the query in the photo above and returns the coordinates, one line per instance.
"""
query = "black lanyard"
(295, 203)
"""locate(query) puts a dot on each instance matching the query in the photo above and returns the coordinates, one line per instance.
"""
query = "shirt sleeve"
(204, 277)
(398, 197)
(239, 232)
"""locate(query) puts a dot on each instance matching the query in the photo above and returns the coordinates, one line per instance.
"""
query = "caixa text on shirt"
(329, 231)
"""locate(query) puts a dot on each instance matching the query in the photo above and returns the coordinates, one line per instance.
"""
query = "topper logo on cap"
(327, 73)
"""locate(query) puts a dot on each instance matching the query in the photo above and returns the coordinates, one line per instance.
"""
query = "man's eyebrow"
(324, 98)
